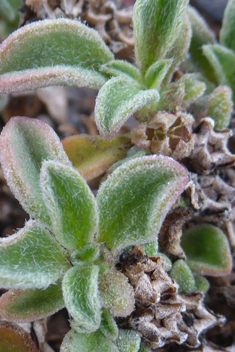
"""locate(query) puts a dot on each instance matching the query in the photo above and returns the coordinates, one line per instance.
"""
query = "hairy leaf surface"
(228, 26)
(52, 52)
(70, 203)
(157, 24)
(32, 304)
(94, 341)
(117, 100)
(31, 258)
(24, 145)
(135, 199)
(80, 290)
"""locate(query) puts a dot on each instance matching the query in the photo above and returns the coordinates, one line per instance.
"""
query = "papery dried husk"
(112, 23)
(210, 151)
(162, 315)
(166, 134)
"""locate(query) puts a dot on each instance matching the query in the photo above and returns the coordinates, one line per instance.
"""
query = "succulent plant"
(129, 264)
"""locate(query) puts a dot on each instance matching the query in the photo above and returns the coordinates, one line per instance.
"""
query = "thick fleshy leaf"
(157, 24)
(13, 338)
(52, 52)
(31, 304)
(135, 199)
(179, 49)
(80, 290)
(151, 248)
(93, 155)
(24, 145)
(128, 341)
(201, 283)
(222, 61)
(31, 258)
(121, 67)
(183, 276)
(207, 250)
(70, 203)
(117, 100)
(156, 73)
(220, 106)
(116, 294)
(94, 342)
(108, 325)
(228, 26)
(201, 35)
(193, 87)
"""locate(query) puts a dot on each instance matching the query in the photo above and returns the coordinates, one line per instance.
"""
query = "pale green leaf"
(179, 49)
(193, 87)
(157, 24)
(108, 325)
(93, 155)
(116, 294)
(8, 9)
(220, 106)
(121, 67)
(52, 52)
(183, 276)
(222, 61)
(128, 341)
(201, 283)
(24, 145)
(117, 100)
(135, 199)
(207, 250)
(31, 258)
(151, 248)
(32, 304)
(88, 252)
(156, 73)
(70, 203)
(80, 290)
(201, 35)
(228, 26)
(14, 338)
(93, 342)
(144, 348)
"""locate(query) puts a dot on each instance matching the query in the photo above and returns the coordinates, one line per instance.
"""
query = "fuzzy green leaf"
(31, 304)
(207, 250)
(31, 258)
(89, 253)
(144, 348)
(13, 338)
(117, 100)
(135, 199)
(116, 294)
(193, 88)
(70, 203)
(24, 145)
(93, 155)
(121, 67)
(128, 341)
(108, 325)
(222, 61)
(201, 35)
(183, 276)
(220, 106)
(228, 26)
(80, 290)
(201, 283)
(52, 52)
(179, 49)
(156, 73)
(157, 24)
(8, 9)
(94, 342)
(151, 248)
